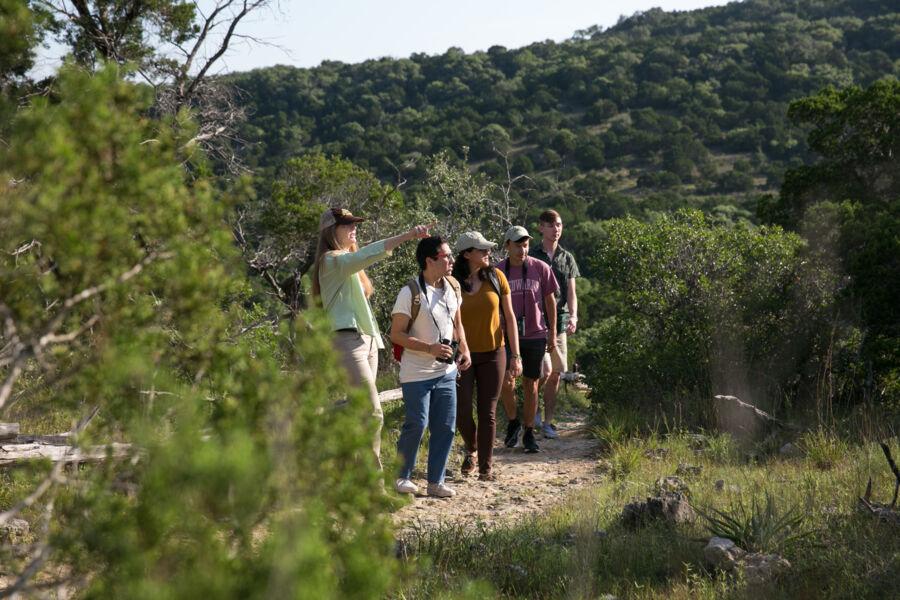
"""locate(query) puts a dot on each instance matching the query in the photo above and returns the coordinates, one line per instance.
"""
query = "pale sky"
(310, 31)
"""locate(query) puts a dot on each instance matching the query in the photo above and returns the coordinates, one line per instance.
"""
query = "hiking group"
(464, 331)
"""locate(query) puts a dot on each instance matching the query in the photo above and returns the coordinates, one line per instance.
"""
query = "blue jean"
(431, 402)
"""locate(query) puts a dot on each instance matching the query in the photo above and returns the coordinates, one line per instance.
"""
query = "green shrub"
(705, 309)
(245, 476)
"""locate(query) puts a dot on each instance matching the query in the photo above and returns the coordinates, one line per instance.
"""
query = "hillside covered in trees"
(176, 424)
(663, 110)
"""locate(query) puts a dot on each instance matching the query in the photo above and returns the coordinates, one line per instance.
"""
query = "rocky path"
(526, 483)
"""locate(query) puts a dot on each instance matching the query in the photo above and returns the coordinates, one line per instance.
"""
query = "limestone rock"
(722, 553)
(671, 507)
(14, 531)
(760, 569)
(790, 450)
(685, 469)
(671, 484)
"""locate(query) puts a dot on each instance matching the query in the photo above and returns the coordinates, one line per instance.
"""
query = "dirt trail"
(526, 483)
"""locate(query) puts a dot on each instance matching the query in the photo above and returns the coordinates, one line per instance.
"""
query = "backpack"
(495, 282)
(416, 296)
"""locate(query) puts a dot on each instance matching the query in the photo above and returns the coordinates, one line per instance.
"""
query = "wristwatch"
(515, 356)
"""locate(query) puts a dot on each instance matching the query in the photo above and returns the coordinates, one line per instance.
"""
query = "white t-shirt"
(443, 304)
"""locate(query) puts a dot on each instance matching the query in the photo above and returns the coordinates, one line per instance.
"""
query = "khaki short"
(556, 361)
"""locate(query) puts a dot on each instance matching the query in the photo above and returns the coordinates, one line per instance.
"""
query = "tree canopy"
(661, 102)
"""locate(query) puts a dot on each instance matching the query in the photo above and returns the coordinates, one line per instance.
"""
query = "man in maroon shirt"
(533, 290)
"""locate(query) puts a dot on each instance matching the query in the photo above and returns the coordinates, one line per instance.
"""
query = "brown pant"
(358, 353)
(487, 373)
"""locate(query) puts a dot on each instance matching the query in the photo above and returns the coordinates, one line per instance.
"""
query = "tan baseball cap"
(516, 233)
(337, 216)
(473, 239)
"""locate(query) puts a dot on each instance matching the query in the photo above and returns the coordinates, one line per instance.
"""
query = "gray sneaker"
(549, 430)
(439, 490)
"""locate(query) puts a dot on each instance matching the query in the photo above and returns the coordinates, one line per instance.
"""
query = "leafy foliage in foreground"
(243, 478)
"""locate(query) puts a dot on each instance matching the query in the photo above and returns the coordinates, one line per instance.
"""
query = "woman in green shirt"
(340, 283)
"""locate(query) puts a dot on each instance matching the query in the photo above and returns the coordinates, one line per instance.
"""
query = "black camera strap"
(524, 287)
(424, 291)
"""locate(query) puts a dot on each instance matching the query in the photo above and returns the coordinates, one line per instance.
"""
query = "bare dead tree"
(180, 58)
(509, 211)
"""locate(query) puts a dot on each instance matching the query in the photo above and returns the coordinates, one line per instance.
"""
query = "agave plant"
(761, 527)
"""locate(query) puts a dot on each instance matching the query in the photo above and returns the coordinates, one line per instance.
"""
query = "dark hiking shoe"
(529, 442)
(512, 433)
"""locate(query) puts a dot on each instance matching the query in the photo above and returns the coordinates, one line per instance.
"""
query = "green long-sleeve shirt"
(342, 291)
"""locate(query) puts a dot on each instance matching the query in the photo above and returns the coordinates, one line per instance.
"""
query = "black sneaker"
(529, 442)
(512, 433)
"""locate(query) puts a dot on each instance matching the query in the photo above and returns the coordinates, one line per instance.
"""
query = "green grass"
(580, 550)
(823, 449)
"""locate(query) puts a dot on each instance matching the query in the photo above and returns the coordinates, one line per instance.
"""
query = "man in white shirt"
(434, 347)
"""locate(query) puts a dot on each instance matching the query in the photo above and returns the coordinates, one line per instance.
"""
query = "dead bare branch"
(24, 350)
(25, 248)
(894, 470)
(883, 512)
(69, 337)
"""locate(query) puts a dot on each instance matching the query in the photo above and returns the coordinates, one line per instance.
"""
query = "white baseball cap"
(473, 239)
(516, 233)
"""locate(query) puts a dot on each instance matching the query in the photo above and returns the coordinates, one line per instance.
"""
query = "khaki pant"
(358, 353)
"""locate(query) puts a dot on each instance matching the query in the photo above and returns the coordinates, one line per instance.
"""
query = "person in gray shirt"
(564, 267)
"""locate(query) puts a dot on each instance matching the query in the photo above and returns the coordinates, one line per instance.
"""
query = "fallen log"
(13, 454)
(732, 413)
(391, 395)
(58, 439)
